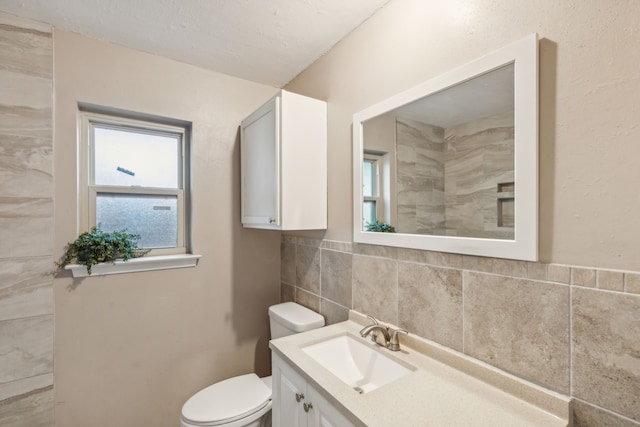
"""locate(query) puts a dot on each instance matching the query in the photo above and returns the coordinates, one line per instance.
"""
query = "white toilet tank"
(290, 318)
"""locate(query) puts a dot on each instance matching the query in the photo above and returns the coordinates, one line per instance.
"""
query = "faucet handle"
(394, 342)
(373, 319)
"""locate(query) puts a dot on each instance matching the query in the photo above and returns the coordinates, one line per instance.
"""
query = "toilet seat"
(231, 400)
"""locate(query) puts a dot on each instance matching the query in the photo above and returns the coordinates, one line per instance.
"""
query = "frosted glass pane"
(369, 212)
(367, 179)
(128, 158)
(153, 217)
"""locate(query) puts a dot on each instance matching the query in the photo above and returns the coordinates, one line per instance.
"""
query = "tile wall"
(479, 158)
(420, 153)
(26, 220)
(449, 179)
(575, 330)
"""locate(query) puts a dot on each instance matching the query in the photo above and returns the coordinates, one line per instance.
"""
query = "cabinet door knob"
(299, 397)
(307, 406)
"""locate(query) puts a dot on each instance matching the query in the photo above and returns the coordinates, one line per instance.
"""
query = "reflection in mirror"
(452, 163)
(453, 159)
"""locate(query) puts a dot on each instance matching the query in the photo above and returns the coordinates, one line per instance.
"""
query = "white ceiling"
(266, 41)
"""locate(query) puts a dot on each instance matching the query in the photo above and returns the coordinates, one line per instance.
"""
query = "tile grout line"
(570, 361)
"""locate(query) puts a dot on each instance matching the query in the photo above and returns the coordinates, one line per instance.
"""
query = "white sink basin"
(359, 365)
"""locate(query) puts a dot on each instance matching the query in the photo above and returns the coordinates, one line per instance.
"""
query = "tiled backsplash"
(26, 220)
(573, 329)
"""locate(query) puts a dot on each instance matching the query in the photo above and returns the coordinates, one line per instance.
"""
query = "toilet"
(245, 400)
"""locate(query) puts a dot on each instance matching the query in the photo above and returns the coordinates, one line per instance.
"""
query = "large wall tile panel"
(26, 220)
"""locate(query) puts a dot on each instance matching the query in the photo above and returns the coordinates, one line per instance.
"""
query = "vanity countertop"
(447, 388)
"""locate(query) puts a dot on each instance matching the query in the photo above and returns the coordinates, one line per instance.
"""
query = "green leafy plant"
(99, 246)
(380, 227)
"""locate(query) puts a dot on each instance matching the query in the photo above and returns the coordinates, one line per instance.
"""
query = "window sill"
(136, 264)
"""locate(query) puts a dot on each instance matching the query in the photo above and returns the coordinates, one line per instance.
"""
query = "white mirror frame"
(524, 54)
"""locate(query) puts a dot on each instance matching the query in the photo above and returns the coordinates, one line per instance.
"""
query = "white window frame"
(88, 191)
(376, 161)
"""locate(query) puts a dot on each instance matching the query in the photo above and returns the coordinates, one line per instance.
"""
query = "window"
(372, 204)
(134, 177)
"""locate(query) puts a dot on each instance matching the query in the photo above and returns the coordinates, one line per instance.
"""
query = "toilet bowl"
(240, 401)
(245, 400)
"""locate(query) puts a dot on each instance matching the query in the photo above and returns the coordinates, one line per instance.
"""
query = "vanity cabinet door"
(283, 153)
(289, 396)
(323, 414)
(298, 404)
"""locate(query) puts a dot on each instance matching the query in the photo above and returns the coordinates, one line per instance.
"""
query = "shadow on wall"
(255, 276)
(548, 60)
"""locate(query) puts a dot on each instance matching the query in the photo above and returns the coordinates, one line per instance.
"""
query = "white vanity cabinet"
(297, 404)
(283, 154)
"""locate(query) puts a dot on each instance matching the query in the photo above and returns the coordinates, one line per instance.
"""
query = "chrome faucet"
(391, 340)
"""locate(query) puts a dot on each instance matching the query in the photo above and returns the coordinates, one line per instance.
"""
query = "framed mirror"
(451, 165)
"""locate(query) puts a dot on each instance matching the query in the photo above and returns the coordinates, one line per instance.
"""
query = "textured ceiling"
(267, 41)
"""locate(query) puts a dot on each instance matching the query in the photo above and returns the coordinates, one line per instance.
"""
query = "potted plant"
(99, 246)
(380, 227)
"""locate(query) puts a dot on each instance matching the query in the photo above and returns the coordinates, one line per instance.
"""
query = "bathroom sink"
(360, 365)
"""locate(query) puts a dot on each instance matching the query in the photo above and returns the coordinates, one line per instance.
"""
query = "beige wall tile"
(308, 299)
(25, 227)
(308, 241)
(26, 50)
(26, 301)
(537, 271)
(287, 292)
(24, 386)
(518, 325)
(429, 257)
(289, 238)
(26, 348)
(375, 287)
(336, 277)
(33, 409)
(288, 262)
(611, 280)
(337, 246)
(26, 165)
(430, 302)
(374, 250)
(23, 90)
(632, 282)
(26, 287)
(18, 273)
(332, 312)
(20, 23)
(585, 415)
(559, 273)
(25, 121)
(477, 263)
(308, 268)
(606, 349)
(583, 277)
(508, 267)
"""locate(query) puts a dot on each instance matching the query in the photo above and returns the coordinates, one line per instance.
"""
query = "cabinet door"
(323, 414)
(288, 396)
(260, 165)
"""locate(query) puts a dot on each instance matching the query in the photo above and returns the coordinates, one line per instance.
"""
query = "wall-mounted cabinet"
(297, 403)
(284, 164)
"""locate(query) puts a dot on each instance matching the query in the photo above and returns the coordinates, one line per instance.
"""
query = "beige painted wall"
(131, 348)
(589, 92)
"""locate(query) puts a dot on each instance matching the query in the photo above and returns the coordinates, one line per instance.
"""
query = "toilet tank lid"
(295, 317)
